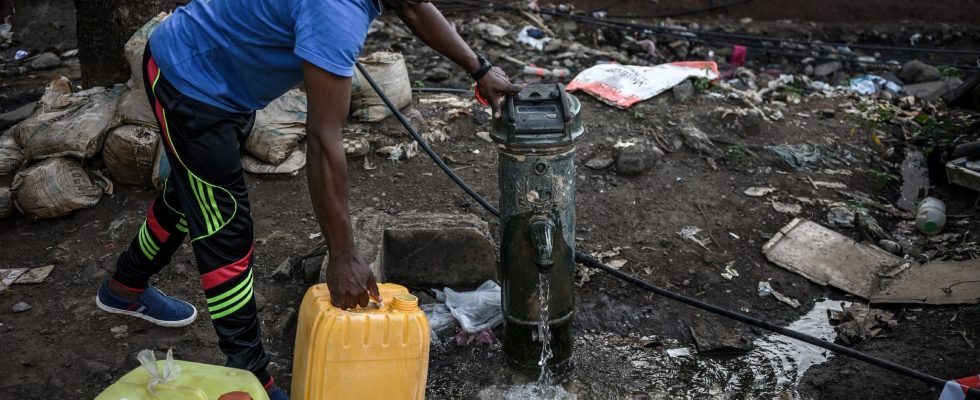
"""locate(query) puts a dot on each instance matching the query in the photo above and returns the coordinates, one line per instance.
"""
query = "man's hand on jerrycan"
(351, 282)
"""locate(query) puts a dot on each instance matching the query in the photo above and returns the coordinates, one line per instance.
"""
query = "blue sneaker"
(278, 394)
(152, 305)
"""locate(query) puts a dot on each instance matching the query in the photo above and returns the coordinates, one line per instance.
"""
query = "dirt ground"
(64, 348)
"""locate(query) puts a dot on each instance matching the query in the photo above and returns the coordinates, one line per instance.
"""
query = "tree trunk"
(104, 26)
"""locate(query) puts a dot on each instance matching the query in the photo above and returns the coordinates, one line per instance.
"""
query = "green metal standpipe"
(536, 135)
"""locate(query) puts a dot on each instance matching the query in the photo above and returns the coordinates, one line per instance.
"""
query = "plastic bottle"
(930, 218)
(543, 72)
(378, 352)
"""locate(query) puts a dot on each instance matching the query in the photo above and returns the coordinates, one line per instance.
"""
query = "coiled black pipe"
(594, 263)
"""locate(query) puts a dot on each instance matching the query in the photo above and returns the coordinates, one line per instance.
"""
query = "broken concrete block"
(826, 257)
(425, 249)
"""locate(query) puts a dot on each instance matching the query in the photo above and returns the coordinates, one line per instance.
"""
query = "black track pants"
(204, 198)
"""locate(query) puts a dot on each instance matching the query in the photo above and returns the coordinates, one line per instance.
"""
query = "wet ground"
(63, 346)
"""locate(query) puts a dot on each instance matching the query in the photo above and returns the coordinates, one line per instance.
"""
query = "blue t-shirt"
(239, 55)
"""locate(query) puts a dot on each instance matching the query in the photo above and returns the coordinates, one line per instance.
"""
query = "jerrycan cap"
(405, 302)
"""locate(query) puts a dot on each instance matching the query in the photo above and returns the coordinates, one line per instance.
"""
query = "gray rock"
(828, 112)
(916, 71)
(636, 159)
(891, 246)
(929, 91)
(12, 117)
(809, 70)
(94, 272)
(683, 91)
(45, 61)
(286, 321)
(260, 300)
(438, 74)
(425, 249)
(96, 367)
(20, 307)
(827, 68)
(601, 161)
(311, 268)
(838, 79)
(283, 270)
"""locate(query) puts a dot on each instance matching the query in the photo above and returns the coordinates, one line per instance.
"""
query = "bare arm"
(328, 100)
(428, 24)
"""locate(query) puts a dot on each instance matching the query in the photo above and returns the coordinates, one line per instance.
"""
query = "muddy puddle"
(613, 366)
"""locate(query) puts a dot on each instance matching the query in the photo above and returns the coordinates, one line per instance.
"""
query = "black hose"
(594, 263)
(441, 90)
(425, 146)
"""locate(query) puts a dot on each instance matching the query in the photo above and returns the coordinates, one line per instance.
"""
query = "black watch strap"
(485, 66)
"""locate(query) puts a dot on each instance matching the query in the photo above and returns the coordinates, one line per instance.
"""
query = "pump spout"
(541, 231)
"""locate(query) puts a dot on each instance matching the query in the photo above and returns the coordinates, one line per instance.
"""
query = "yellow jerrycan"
(181, 380)
(378, 352)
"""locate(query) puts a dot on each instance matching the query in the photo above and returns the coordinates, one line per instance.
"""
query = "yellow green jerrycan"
(378, 352)
(181, 380)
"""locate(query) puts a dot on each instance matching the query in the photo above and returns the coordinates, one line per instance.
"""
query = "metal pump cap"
(540, 116)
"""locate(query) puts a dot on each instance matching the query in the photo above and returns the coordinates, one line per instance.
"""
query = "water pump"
(536, 134)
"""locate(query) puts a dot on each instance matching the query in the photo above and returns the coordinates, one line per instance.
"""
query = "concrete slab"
(425, 249)
(937, 282)
(828, 258)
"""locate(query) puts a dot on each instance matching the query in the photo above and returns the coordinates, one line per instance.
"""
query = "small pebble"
(21, 307)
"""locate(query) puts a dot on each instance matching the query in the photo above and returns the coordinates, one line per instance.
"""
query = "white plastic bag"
(170, 373)
(625, 85)
(476, 310)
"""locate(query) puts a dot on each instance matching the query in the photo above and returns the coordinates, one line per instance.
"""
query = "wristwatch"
(485, 66)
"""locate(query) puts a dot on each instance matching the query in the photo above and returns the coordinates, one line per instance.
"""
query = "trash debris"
(20, 307)
(698, 140)
(475, 310)
(130, 152)
(278, 128)
(493, 33)
(21, 276)
(625, 85)
(765, 289)
(759, 191)
(401, 151)
(119, 332)
(869, 84)
(930, 217)
(546, 72)
(691, 233)
(829, 185)
(787, 208)
(292, 164)
(54, 187)
(858, 322)
(729, 271)
(21, 54)
(72, 124)
(533, 37)
(826, 257)
(801, 157)
(678, 352)
(135, 109)
(356, 147)
(45, 61)
(616, 263)
(840, 215)
(391, 75)
(485, 336)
